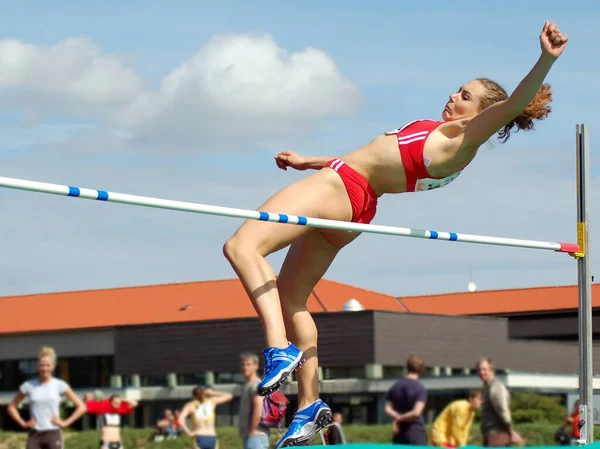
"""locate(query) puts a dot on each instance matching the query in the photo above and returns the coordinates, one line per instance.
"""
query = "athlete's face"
(464, 102)
(116, 402)
(45, 367)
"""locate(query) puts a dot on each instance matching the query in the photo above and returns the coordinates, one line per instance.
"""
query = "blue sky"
(126, 97)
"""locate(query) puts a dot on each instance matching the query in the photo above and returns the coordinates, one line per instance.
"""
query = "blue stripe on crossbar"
(74, 191)
(453, 237)
(102, 195)
(283, 218)
(433, 235)
(302, 220)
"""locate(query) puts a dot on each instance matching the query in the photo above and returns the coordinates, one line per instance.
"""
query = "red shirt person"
(573, 421)
(109, 413)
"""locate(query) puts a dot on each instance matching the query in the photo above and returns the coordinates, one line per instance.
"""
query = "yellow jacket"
(453, 424)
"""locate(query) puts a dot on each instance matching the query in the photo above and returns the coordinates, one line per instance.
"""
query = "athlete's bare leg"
(305, 264)
(321, 195)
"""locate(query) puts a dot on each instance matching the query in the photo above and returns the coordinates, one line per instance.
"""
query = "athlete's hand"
(57, 421)
(288, 158)
(29, 424)
(552, 41)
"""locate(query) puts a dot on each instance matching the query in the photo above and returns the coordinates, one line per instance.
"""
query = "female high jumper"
(421, 155)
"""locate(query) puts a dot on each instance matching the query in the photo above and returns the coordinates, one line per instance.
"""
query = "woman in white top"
(45, 394)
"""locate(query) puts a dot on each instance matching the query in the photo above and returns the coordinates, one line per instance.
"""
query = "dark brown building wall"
(459, 341)
(550, 325)
(345, 340)
(440, 340)
(554, 326)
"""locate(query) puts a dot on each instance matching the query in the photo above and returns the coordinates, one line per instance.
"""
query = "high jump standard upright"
(586, 390)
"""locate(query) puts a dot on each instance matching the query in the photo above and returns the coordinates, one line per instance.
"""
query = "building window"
(62, 370)
(154, 381)
(85, 372)
(348, 372)
(81, 372)
(228, 377)
(105, 370)
(27, 369)
(78, 372)
(432, 371)
(393, 372)
(9, 375)
(191, 379)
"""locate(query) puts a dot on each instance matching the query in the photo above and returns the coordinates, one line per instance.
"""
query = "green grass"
(536, 435)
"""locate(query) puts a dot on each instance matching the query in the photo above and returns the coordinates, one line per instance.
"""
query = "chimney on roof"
(352, 306)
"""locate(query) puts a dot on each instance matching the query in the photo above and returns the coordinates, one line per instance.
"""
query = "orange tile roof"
(209, 300)
(225, 299)
(496, 302)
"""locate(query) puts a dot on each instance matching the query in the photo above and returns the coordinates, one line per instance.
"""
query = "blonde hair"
(47, 352)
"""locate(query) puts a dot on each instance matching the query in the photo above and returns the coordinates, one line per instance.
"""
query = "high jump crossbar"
(145, 201)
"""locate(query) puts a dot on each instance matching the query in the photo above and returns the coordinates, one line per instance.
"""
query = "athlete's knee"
(237, 250)
(231, 249)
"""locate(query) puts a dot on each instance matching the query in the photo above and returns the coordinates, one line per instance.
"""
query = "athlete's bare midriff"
(381, 164)
(110, 434)
(204, 428)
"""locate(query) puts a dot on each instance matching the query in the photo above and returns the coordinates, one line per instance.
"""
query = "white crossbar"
(135, 200)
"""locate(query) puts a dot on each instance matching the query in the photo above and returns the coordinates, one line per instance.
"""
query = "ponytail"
(538, 109)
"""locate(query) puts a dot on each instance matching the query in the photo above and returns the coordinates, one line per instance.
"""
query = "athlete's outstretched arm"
(288, 158)
(490, 120)
(218, 397)
(185, 412)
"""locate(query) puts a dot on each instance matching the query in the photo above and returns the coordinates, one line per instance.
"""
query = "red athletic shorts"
(362, 196)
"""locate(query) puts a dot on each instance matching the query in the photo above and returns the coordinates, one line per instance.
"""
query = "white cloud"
(242, 87)
(236, 88)
(72, 77)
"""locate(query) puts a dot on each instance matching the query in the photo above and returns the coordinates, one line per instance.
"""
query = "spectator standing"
(573, 422)
(406, 401)
(496, 421)
(334, 433)
(253, 435)
(45, 394)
